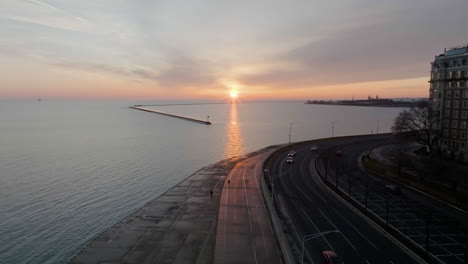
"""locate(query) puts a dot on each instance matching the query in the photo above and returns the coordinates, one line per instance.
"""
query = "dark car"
(314, 148)
(339, 153)
(331, 258)
(392, 188)
(290, 160)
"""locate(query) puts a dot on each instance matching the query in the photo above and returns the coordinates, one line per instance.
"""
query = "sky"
(195, 49)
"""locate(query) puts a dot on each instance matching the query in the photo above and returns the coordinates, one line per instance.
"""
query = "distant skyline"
(207, 49)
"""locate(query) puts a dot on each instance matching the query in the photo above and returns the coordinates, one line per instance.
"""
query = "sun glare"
(233, 94)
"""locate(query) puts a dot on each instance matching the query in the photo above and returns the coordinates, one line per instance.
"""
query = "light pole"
(377, 127)
(306, 238)
(290, 128)
(333, 129)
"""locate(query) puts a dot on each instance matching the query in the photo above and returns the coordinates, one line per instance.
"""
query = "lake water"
(69, 170)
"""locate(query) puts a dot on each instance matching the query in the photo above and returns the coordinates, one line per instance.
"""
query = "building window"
(455, 104)
(463, 124)
(456, 94)
(455, 113)
(447, 103)
(465, 104)
(463, 135)
(447, 113)
(454, 134)
(448, 94)
(446, 132)
(464, 114)
(446, 123)
(463, 145)
(454, 123)
(465, 93)
(458, 74)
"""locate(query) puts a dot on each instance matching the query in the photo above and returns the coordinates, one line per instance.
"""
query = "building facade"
(449, 97)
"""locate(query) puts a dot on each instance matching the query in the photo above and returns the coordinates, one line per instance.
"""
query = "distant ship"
(39, 99)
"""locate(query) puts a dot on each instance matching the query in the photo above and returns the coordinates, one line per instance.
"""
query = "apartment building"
(449, 97)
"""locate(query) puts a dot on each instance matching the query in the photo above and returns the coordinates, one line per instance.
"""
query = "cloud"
(180, 73)
(43, 14)
(388, 47)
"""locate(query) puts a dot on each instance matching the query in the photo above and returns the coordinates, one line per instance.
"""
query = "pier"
(138, 107)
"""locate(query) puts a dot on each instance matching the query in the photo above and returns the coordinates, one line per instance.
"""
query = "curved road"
(313, 212)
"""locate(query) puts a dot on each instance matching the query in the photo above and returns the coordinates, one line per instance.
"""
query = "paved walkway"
(177, 227)
(180, 226)
(245, 234)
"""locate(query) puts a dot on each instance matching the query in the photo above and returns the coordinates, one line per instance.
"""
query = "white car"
(290, 160)
(292, 154)
(314, 148)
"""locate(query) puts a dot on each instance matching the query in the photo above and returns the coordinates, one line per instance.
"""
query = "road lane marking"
(337, 229)
(300, 239)
(354, 228)
(255, 252)
(255, 171)
(302, 173)
(308, 217)
(246, 198)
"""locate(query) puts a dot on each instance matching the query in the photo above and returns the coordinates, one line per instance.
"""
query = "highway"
(411, 213)
(313, 215)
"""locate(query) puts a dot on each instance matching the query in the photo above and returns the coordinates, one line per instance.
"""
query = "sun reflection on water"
(234, 141)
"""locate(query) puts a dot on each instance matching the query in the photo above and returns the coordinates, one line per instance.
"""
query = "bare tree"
(420, 123)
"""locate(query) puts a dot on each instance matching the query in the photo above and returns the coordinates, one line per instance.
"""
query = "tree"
(420, 123)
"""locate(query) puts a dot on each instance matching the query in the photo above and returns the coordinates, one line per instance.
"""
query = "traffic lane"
(351, 230)
(244, 232)
(409, 211)
(326, 223)
(307, 222)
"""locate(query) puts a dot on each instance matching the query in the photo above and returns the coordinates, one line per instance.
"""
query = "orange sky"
(203, 50)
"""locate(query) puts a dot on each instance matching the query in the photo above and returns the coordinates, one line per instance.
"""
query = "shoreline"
(178, 225)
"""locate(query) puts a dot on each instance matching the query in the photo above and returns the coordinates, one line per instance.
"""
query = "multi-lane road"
(427, 222)
(319, 220)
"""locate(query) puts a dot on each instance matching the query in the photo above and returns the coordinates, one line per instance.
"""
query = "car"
(292, 154)
(314, 148)
(331, 257)
(290, 160)
(339, 153)
(394, 189)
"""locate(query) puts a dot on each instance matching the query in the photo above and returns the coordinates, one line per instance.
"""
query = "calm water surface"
(69, 170)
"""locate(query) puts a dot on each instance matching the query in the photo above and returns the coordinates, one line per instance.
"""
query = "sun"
(233, 94)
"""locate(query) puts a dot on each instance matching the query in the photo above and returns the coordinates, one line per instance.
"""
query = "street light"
(306, 238)
(290, 128)
(333, 129)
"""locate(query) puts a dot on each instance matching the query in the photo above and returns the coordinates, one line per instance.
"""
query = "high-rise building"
(449, 100)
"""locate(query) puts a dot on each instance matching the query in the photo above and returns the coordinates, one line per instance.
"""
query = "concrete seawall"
(171, 115)
(177, 227)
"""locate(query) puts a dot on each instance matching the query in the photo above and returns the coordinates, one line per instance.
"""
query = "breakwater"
(171, 115)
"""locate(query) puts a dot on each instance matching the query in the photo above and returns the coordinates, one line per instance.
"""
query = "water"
(69, 170)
